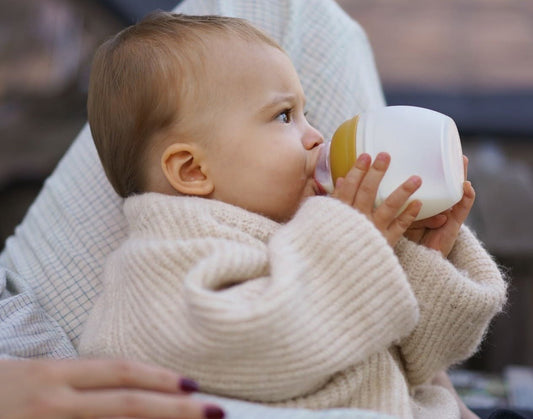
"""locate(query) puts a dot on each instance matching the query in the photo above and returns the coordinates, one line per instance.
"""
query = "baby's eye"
(285, 116)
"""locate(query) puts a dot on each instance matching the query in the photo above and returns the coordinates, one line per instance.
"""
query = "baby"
(236, 271)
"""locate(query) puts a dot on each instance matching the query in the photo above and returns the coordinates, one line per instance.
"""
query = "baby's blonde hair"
(140, 80)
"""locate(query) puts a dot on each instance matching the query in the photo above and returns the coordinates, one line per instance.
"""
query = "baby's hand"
(359, 189)
(440, 232)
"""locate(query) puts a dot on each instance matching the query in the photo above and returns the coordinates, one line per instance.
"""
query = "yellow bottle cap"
(342, 152)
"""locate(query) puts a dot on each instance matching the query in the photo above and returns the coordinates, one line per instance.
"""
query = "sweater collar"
(166, 216)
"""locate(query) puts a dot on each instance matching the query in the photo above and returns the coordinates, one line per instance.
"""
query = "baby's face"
(262, 151)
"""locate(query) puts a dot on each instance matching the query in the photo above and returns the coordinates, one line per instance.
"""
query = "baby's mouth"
(318, 188)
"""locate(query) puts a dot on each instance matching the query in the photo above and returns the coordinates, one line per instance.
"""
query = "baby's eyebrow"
(276, 100)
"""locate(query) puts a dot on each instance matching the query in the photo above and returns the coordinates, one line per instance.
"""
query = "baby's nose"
(312, 139)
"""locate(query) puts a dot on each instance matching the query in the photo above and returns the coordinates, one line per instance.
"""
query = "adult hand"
(359, 189)
(440, 232)
(48, 389)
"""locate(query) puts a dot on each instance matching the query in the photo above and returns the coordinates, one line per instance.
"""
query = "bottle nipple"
(323, 168)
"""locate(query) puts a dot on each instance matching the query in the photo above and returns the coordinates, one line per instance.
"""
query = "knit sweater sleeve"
(262, 322)
(457, 298)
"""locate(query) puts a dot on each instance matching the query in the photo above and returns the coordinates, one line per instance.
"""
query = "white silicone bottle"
(420, 141)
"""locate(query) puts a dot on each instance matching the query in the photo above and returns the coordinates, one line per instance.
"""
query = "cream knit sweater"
(319, 312)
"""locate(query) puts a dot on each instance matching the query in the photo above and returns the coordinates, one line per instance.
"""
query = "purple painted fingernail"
(214, 412)
(187, 385)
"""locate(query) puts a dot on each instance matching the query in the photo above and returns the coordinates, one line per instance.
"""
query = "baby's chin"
(309, 190)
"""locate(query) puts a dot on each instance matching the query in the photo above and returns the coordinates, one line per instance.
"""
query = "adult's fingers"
(140, 404)
(95, 374)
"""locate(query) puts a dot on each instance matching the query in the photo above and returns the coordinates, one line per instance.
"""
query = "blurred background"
(470, 59)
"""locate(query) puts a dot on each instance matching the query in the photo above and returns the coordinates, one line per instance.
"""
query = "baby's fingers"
(386, 217)
(461, 210)
(346, 188)
(431, 223)
(387, 212)
(401, 223)
(368, 189)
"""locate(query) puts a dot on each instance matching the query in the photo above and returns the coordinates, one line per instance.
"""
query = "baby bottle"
(420, 142)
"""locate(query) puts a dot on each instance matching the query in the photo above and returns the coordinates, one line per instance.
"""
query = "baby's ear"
(185, 169)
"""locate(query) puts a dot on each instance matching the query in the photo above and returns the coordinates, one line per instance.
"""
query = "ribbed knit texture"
(305, 314)
(457, 300)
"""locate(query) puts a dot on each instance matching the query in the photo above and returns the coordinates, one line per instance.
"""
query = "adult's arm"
(26, 330)
(53, 388)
